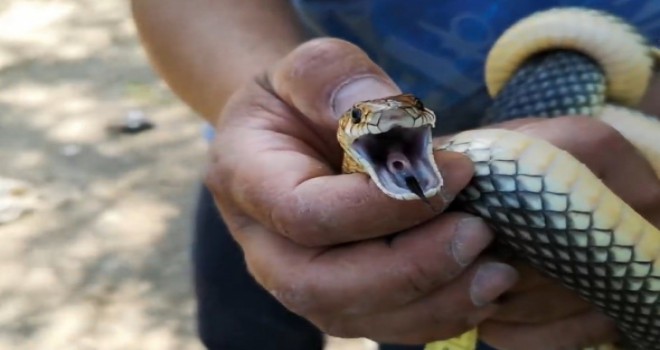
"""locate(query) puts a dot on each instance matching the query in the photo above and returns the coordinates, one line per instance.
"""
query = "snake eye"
(356, 115)
(418, 104)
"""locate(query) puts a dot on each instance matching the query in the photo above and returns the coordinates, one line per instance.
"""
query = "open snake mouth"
(402, 160)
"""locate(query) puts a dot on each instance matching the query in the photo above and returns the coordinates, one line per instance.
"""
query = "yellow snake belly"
(545, 205)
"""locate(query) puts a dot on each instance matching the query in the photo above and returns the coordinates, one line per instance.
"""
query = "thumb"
(324, 77)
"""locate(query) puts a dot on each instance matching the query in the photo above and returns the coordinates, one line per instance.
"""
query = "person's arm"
(205, 49)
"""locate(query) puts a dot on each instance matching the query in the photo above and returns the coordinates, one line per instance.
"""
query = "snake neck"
(555, 83)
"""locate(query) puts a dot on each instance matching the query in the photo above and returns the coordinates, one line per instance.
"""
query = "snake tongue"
(404, 173)
(414, 187)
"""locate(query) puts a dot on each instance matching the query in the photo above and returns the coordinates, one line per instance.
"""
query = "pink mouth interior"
(398, 157)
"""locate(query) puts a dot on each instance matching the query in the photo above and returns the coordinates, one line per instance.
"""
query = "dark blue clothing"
(437, 49)
(433, 48)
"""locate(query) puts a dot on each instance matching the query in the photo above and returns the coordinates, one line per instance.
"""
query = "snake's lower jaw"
(413, 190)
(401, 162)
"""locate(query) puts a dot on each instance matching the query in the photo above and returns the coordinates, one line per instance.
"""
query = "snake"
(544, 205)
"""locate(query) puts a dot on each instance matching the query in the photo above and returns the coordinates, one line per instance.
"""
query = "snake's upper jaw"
(400, 161)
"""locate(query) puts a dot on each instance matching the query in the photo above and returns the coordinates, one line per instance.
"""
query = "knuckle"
(301, 290)
(296, 219)
(419, 279)
(291, 223)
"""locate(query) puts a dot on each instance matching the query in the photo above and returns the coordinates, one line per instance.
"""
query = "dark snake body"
(607, 274)
(552, 84)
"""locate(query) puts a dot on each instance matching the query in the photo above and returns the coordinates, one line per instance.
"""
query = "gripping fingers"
(360, 205)
(445, 313)
(367, 277)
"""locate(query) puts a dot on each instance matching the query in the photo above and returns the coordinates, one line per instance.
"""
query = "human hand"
(333, 248)
(539, 313)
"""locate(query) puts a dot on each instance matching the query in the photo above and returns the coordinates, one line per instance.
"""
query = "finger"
(367, 277)
(606, 152)
(537, 299)
(443, 314)
(530, 278)
(325, 77)
(547, 303)
(609, 155)
(578, 332)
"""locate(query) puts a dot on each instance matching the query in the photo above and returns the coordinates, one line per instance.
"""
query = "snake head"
(390, 140)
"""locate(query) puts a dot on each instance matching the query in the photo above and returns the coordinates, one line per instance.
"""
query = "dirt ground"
(96, 231)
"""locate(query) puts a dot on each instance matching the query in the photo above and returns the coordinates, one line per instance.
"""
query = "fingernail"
(456, 169)
(360, 89)
(470, 239)
(447, 197)
(491, 280)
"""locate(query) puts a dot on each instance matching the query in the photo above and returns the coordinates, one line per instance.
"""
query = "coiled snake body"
(545, 205)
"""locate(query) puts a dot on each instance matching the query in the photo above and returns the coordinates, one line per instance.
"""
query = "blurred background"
(99, 169)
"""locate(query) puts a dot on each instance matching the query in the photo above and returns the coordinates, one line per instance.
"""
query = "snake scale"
(543, 204)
